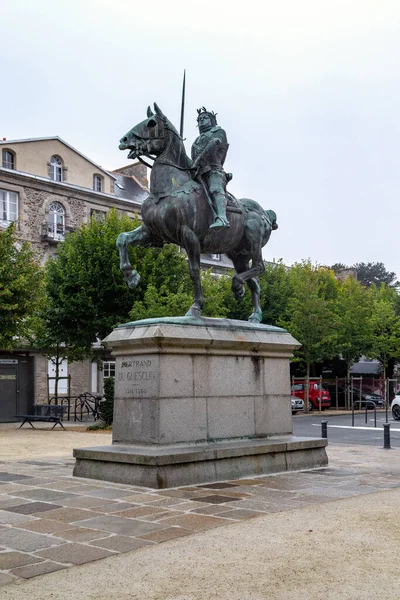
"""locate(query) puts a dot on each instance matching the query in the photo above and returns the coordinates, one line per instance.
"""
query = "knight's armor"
(208, 154)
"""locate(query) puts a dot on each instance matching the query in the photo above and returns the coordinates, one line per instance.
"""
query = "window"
(8, 207)
(99, 215)
(56, 222)
(97, 183)
(109, 368)
(8, 159)
(56, 168)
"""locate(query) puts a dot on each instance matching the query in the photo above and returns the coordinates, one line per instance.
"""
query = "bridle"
(166, 133)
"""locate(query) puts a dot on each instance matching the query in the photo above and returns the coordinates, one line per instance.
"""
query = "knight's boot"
(220, 222)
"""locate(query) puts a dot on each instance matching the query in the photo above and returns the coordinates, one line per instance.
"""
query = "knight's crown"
(212, 114)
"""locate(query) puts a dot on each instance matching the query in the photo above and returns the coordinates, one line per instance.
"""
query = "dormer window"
(8, 159)
(97, 183)
(56, 168)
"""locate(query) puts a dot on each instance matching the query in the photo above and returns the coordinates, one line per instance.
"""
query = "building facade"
(48, 188)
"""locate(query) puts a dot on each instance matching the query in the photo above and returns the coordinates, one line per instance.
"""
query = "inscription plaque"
(136, 376)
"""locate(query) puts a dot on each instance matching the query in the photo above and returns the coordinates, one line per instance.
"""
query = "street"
(340, 429)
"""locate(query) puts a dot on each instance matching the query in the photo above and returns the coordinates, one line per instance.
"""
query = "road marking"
(350, 427)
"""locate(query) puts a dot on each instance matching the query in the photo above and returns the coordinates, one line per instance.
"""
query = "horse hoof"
(133, 280)
(193, 311)
(256, 317)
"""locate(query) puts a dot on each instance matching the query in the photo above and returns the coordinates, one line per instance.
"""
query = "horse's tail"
(272, 218)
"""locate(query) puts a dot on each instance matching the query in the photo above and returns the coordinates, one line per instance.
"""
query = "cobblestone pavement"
(50, 520)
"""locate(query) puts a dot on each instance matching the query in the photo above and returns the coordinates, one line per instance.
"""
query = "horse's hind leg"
(190, 242)
(137, 237)
(245, 274)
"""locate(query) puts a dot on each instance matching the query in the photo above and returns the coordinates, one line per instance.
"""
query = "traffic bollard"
(386, 435)
(324, 429)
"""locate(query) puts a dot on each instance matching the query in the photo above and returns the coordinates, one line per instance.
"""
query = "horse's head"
(151, 136)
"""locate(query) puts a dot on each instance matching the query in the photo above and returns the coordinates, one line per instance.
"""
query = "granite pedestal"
(199, 400)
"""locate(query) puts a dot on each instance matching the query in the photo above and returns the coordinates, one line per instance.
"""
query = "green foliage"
(374, 274)
(21, 289)
(353, 309)
(106, 407)
(275, 292)
(385, 325)
(310, 315)
(87, 293)
(175, 300)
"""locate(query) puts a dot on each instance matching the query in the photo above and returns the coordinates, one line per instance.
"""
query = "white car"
(298, 404)
(395, 406)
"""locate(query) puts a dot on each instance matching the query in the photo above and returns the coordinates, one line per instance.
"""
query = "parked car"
(297, 404)
(367, 398)
(395, 406)
(314, 395)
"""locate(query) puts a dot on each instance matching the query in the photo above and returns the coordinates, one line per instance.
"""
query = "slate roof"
(128, 188)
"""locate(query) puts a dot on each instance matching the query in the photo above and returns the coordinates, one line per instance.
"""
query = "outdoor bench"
(49, 413)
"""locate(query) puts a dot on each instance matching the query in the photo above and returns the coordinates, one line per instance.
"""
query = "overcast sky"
(307, 90)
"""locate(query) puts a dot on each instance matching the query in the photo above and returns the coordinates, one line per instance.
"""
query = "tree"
(310, 317)
(21, 289)
(385, 324)
(171, 301)
(353, 307)
(275, 292)
(86, 290)
(375, 273)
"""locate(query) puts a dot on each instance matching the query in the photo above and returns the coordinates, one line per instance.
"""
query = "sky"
(308, 92)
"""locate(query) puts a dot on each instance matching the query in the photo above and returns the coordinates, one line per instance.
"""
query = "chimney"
(4, 139)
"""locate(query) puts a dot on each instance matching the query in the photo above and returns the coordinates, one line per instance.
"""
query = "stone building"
(49, 188)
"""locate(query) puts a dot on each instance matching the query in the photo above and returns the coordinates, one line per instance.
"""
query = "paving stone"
(11, 517)
(116, 507)
(166, 534)
(109, 493)
(209, 509)
(195, 522)
(140, 511)
(158, 517)
(6, 579)
(11, 560)
(19, 539)
(14, 488)
(40, 481)
(44, 495)
(76, 554)
(80, 534)
(217, 499)
(121, 525)
(88, 502)
(13, 477)
(217, 486)
(70, 515)
(44, 526)
(32, 507)
(167, 502)
(37, 569)
(241, 514)
(120, 543)
(7, 501)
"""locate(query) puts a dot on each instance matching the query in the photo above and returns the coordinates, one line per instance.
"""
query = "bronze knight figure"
(208, 154)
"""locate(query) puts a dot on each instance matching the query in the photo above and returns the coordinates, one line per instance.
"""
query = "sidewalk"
(328, 533)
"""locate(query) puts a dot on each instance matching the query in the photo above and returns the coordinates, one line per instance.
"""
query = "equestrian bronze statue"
(188, 205)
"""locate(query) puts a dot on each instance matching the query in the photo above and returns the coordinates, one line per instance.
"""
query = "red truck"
(314, 394)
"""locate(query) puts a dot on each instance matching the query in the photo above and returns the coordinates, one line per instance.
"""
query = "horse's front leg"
(192, 246)
(137, 237)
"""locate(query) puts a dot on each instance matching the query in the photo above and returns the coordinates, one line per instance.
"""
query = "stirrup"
(220, 223)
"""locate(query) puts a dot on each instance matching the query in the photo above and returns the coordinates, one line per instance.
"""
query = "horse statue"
(178, 211)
